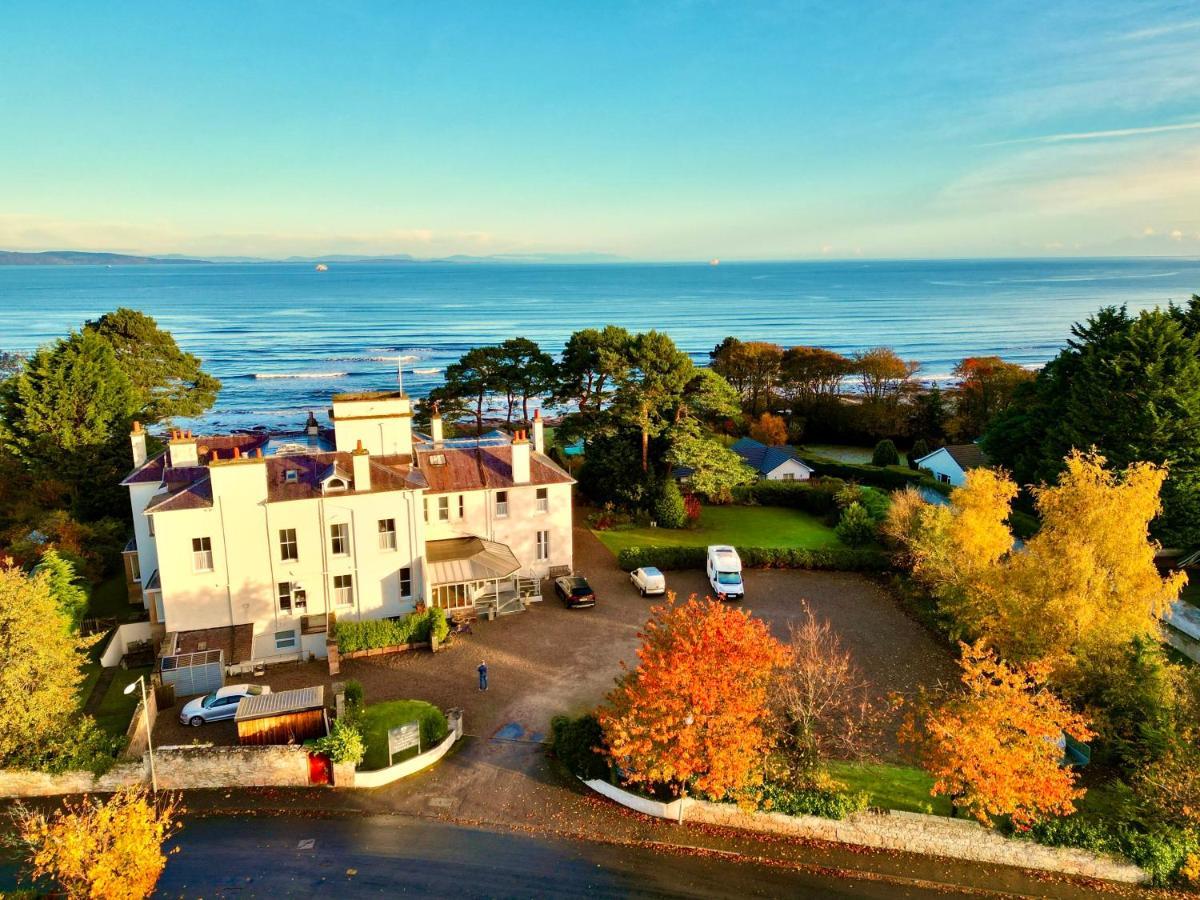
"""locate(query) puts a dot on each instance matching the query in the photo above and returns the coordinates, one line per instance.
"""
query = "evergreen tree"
(1128, 386)
(68, 593)
(885, 454)
(669, 509)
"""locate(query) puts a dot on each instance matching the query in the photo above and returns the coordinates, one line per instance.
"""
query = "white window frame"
(289, 546)
(287, 642)
(343, 594)
(283, 595)
(462, 505)
(339, 534)
(387, 535)
(443, 508)
(202, 555)
(501, 504)
(543, 546)
(787, 476)
(542, 497)
(135, 568)
(406, 583)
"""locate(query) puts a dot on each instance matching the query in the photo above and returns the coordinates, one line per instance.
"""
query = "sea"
(284, 337)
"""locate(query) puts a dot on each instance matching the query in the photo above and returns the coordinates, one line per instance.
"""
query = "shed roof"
(282, 704)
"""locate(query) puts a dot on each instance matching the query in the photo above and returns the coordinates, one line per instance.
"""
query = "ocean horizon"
(283, 337)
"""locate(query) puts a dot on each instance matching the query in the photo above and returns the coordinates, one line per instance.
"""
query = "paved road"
(223, 856)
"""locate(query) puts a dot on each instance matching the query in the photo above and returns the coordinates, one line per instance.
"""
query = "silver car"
(219, 705)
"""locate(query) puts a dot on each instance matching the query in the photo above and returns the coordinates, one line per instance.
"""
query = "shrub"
(1161, 850)
(691, 506)
(577, 743)
(344, 743)
(856, 527)
(885, 454)
(371, 634)
(669, 508)
(833, 558)
(770, 430)
(920, 449)
(823, 802)
(354, 693)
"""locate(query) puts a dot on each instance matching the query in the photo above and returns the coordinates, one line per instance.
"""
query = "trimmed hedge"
(817, 497)
(371, 634)
(576, 743)
(834, 558)
(892, 479)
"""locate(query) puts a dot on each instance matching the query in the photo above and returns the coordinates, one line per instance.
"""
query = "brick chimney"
(539, 432)
(311, 428)
(520, 458)
(137, 438)
(182, 447)
(362, 468)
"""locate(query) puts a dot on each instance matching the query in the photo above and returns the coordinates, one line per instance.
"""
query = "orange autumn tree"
(693, 715)
(97, 849)
(995, 747)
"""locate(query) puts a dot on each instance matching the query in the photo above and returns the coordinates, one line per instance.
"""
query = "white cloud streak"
(1097, 135)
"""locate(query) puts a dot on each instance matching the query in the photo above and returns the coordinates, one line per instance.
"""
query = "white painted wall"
(140, 496)
(383, 424)
(793, 467)
(943, 467)
(248, 564)
(518, 529)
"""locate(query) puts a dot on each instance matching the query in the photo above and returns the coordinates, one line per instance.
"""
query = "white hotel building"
(245, 542)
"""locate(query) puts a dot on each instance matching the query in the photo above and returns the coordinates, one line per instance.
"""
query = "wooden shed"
(289, 717)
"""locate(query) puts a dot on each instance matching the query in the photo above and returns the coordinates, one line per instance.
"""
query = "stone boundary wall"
(184, 767)
(892, 830)
(20, 783)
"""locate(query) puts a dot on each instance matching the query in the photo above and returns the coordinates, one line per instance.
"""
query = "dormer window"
(437, 459)
(291, 476)
(335, 484)
(335, 479)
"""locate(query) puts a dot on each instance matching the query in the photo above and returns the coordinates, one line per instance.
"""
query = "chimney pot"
(258, 453)
(237, 452)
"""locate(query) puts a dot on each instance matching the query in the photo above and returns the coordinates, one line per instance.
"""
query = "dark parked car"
(574, 591)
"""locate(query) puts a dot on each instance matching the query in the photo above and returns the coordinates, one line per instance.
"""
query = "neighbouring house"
(772, 463)
(951, 463)
(245, 543)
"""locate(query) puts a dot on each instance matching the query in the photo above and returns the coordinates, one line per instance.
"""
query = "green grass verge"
(110, 599)
(116, 709)
(742, 526)
(377, 718)
(890, 786)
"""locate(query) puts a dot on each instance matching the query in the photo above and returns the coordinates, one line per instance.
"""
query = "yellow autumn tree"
(41, 670)
(996, 747)
(101, 850)
(1080, 590)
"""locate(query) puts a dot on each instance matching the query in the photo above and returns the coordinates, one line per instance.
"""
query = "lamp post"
(146, 718)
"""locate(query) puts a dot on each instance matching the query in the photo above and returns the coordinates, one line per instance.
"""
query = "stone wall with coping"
(892, 830)
(20, 783)
(205, 766)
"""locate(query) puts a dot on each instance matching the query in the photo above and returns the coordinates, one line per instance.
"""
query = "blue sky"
(650, 130)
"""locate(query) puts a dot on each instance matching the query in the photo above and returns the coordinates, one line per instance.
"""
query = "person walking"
(483, 676)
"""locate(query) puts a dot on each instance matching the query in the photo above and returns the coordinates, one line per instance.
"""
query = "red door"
(320, 769)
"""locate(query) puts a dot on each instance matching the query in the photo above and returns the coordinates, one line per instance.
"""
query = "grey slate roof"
(968, 456)
(764, 459)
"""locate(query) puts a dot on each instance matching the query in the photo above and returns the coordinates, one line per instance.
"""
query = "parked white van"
(725, 572)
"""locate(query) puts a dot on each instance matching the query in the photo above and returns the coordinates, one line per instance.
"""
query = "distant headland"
(80, 258)
(83, 258)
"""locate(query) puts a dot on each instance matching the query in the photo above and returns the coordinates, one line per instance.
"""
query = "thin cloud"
(1158, 31)
(1096, 135)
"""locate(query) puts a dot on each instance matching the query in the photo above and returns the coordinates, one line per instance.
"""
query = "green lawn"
(846, 453)
(379, 717)
(742, 526)
(110, 599)
(891, 786)
(116, 709)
